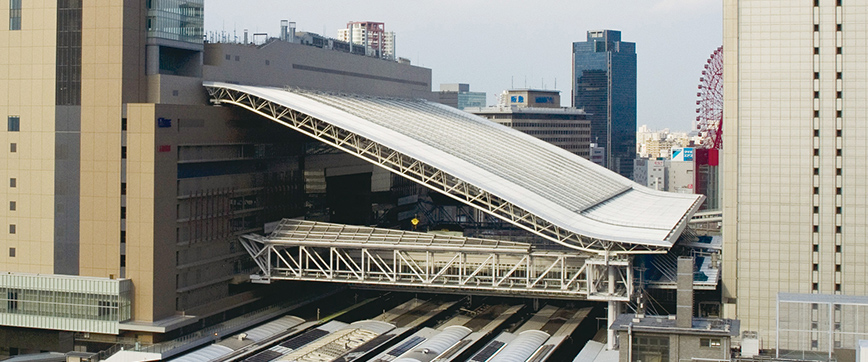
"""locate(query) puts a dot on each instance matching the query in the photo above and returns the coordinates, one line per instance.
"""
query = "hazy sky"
(495, 45)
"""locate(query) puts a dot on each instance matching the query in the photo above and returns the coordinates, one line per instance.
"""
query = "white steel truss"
(313, 251)
(424, 174)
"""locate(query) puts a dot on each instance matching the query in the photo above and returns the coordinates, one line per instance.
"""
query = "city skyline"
(673, 39)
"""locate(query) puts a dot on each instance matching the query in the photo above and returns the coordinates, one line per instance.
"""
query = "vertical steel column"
(610, 320)
(778, 327)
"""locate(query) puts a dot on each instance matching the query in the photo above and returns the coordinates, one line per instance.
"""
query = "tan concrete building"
(119, 173)
(539, 114)
(795, 201)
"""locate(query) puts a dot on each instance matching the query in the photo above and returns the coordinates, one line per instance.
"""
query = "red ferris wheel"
(709, 119)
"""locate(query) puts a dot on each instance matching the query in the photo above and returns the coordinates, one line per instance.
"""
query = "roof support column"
(614, 310)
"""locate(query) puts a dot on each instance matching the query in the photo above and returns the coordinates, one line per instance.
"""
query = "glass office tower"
(604, 85)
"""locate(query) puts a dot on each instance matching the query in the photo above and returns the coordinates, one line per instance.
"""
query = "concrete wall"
(794, 176)
(27, 67)
(682, 177)
(689, 346)
(681, 347)
(282, 64)
(35, 340)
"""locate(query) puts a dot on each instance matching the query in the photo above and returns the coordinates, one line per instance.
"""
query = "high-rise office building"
(794, 170)
(124, 190)
(458, 95)
(604, 85)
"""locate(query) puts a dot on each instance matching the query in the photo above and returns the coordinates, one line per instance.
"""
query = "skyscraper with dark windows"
(604, 85)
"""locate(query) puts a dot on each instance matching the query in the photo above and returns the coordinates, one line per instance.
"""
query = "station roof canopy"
(516, 177)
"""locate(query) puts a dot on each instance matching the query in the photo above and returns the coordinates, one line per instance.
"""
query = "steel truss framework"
(423, 173)
(482, 267)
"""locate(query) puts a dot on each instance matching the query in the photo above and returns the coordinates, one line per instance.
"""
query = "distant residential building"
(651, 173)
(372, 35)
(604, 85)
(458, 95)
(681, 177)
(657, 144)
(598, 154)
(681, 171)
(539, 114)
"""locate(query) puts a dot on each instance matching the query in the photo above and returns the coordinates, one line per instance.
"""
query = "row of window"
(14, 14)
(13, 125)
(815, 285)
(64, 304)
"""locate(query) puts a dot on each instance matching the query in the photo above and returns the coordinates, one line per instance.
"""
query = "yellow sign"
(415, 221)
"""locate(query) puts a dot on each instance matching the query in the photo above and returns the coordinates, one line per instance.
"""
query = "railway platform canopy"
(527, 182)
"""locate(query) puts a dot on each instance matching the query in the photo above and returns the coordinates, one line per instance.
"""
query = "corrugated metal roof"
(378, 327)
(209, 353)
(272, 328)
(443, 340)
(552, 183)
(522, 347)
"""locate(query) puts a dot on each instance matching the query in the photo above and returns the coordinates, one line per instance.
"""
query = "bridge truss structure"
(316, 251)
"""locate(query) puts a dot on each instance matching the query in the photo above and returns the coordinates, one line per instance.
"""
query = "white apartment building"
(651, 173)
(372, 35)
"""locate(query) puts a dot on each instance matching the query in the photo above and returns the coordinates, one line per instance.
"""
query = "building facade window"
(650, 348)
(13, 182)
(13, 124)
(14, 14)
(12, 229)
(12, 205)
(11, 252)
(12, 301)
(180, 20)
(709, 342)
(68, 80)
(13, 147)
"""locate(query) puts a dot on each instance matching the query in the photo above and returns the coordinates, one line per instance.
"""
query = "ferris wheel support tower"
(709, 123)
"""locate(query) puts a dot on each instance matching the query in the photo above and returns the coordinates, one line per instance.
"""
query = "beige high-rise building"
(123, 189)
(795, 177)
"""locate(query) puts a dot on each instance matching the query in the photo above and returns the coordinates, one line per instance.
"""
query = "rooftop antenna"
(512, 82)
(556, 83)
(525, 81)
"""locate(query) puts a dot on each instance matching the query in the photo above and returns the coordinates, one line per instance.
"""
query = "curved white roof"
(553, 184)
(209, 353)
(273, 328)
(443, 340)
(522, 347)
(378, 327)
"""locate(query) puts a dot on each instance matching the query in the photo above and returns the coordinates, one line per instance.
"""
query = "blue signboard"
(682, 154)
